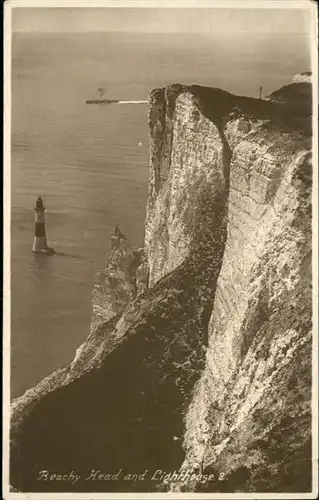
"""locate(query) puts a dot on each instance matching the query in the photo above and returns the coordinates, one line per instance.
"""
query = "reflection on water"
(72, 255)
(40, 261)
(40, 267)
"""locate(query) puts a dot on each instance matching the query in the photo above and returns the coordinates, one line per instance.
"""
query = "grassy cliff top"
(290, 107)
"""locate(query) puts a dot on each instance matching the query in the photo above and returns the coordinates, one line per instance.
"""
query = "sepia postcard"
(160, 249)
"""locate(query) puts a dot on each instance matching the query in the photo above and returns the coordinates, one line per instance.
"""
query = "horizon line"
(119, 32)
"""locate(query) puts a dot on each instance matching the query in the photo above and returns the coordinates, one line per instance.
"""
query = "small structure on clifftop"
(305, 77)
(117, 237)
(40, 241)
(260, 92)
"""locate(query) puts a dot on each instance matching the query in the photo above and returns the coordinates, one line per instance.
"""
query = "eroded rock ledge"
(208, 370)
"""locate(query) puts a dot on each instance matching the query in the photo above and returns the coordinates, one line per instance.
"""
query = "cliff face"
(189, 165)
(250, 414)
(204, 365)
(251, 408)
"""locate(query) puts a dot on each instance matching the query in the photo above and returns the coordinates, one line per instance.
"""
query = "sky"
(160, 20)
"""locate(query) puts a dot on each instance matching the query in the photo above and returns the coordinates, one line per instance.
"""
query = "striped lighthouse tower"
(40, 241)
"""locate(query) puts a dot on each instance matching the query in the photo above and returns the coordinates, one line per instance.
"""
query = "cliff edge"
(203, 367)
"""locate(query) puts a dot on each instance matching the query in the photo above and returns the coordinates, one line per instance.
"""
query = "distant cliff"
(199, 355)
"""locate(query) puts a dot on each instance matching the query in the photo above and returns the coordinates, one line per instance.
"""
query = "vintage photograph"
(160, 266)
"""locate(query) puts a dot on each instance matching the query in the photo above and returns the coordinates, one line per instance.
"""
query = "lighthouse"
(40, 241)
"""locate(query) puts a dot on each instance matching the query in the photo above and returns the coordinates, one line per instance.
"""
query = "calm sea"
(91, 162)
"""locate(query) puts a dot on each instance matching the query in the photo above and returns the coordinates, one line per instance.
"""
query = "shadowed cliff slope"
(210, 366)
